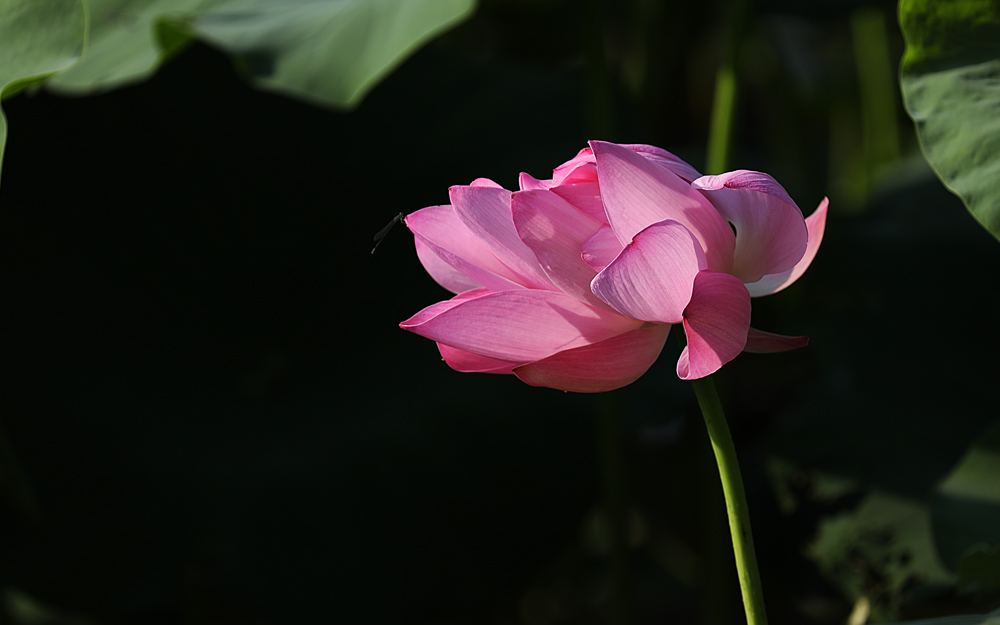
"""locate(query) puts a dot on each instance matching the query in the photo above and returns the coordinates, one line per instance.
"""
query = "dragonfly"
(384, 231)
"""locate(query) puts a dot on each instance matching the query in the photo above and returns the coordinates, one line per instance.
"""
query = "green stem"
(736, 501)
(720, 133)
(615, 504)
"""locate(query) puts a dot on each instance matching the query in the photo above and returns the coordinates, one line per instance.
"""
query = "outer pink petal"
(759, 342)
(666, 159)
(527, 182)
(716, 323)
(443, 273)
(443, 234)
(517, 326)
(604, 366)
(486, 212)
(653, 277)
(485, 182)
(638, 192)
(602, 248)
(816, 225)
(556, 231)
(770, 231)
(434, 310)
(471, 363)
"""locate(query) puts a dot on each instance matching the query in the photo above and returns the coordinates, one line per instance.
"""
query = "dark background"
(219, 421)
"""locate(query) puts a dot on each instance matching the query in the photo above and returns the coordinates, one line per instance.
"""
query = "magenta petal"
(485, 182)
(716, 323)
(486, 212)
(604, 366)
(602, 248)
(527, 182)
(638, 192)
(579, 169)
(653, 277)
(770, 231)
(759, 342)
(472, 363)
(816, 225)
(445, 236)
(556, 231)
(517, 326)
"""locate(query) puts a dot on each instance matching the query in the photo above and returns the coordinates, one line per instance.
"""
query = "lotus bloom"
(573, 283)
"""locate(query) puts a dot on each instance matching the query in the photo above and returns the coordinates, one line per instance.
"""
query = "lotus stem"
(736, 501)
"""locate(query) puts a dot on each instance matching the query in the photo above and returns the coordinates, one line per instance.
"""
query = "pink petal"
(759, 342)
(602, 248)
(580, 169)
(770, 231)
(486, 212)
(443, 273)
(816, 225)
(517, 326)
(584, 195)
(666, 159)
(637, 192)
(471, 363)
(432, 311)
(716, 323)
(485, 182)
(653, 277)
(604, 366)
(556, 231)
(443, 234)
(527, 182)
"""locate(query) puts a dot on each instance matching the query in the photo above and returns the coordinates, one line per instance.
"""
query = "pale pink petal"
(485, 182)
(759, 342)
(816, 225)
(441, 231)
(556, 231)
(580, 169)
(770, 231)
(443, 273)
(518, 326)
(716, 323)
(637, 192)
(486, 212)
(666, 159)
(472, 363)
(653, 277)
(604, 366)
(602, 248)
(586, 196)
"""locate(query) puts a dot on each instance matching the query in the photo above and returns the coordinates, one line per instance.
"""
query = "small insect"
(384, 231)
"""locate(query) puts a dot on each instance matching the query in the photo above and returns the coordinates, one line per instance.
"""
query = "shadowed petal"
(604, 366)
(716, 323)
(584, 195)
(759, 342)
(527, 182)
(653, 277)
(638, 192)
(579, 169)
(445, 236)
(517, 326)
(471, 363)
(770, 231)
(602, 248)
(486, 212)
(815, 225)
(556, 231)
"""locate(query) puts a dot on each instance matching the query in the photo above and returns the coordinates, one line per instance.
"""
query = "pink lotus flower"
(573, 283)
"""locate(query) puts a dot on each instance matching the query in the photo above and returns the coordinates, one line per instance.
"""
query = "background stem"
(720, 132)
(736, 503)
